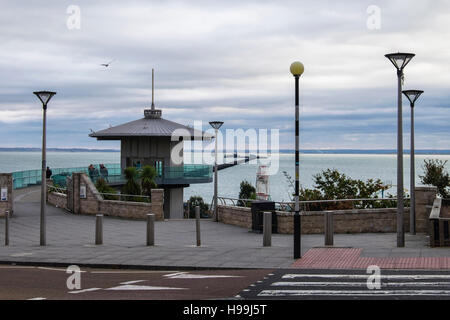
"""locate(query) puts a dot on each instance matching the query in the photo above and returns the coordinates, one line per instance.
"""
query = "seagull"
(106, 64)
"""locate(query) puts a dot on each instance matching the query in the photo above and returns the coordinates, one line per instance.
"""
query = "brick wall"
(345, 221)
(56, 199)
(94, 203)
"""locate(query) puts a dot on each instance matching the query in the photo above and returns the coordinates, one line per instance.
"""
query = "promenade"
(70, 240)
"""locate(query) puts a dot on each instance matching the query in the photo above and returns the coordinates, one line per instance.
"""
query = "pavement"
(70, 240)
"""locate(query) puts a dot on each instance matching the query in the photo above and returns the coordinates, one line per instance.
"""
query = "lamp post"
(400, 60)
(216, 125)
(412, 96)
(297, 70)
(44, 97)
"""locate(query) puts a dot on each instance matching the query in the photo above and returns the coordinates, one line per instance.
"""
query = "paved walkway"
(70, 240)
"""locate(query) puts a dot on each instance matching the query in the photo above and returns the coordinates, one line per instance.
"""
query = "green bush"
(132, 187)
(198, 201)
(247, 191)
(436, 175)
(103, 187)
(148, 176)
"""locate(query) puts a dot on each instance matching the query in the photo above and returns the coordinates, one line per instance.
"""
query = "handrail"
(289, 206)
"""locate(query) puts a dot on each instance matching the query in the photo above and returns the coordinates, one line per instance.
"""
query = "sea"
(357, 166)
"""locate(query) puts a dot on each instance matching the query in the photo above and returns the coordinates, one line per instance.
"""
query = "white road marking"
(56, 269)
(133, 287)
(364, 276)
(38, 298)
(21, 254)
(284, 293)
(358, 284)
(85, 290)
(132, 282)
(185, 275)
(128, 272)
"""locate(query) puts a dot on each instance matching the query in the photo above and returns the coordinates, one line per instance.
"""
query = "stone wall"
(424, 200)
(6, 181)
(345, 221)
(94, 204)
(57, 199)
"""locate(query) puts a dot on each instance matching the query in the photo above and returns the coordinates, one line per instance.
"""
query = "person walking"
(104, 172)
(48, 173)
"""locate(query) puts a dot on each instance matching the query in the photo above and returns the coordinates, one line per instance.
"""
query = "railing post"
(197, 225)
(329, 230)
(7, 228)
(99, 229)
(267, 229)
(150, 229)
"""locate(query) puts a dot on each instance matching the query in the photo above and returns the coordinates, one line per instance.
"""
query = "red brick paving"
(350, 258)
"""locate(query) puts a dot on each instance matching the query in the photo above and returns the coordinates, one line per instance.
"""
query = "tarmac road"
(42, 283)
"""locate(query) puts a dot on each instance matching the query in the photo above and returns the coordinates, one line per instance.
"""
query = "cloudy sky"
(224, 60)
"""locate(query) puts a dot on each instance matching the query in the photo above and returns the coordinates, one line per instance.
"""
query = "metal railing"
(319, 205)
(56, 189)
(125, 197)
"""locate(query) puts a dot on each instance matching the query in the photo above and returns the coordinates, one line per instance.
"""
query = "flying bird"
(106, 65)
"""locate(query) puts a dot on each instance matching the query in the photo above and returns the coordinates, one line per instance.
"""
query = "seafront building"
(150, 141)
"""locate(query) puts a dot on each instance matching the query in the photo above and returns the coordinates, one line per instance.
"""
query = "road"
(46, 283)
(42, 283)
(297, 284)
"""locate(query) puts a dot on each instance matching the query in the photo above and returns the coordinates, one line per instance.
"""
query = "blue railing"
(186, 174)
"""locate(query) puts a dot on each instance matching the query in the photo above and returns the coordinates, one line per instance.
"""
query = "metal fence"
(320, 205)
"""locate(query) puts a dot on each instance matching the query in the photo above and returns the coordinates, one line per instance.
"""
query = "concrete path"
(70, 240)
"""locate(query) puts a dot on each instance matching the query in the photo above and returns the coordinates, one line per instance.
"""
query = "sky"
(228, 61)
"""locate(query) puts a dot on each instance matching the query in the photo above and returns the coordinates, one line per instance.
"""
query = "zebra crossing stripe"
(364, 276)
(354, 293)
(359, 284)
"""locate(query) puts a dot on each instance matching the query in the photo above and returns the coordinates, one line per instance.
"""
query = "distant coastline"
(285, 151)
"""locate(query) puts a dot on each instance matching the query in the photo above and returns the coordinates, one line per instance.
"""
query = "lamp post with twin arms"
(400, 60)
(297, 69)
(412, 96)
(44, 97)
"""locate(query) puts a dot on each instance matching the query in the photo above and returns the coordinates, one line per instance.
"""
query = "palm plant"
(148, 176)
(131, 186)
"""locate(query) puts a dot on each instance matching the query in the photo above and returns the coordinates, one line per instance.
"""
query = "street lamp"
(44, 97)
(297, 70)
(412, 96)
(216, 125)
(400, 60)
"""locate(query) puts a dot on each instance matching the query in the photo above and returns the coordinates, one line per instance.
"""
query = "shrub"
(198, 201)
(103, 187)
(148, 176)
(247, 191)
(131, 187)
(436, 175)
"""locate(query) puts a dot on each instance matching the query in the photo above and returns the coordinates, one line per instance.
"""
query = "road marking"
(283, 293)
(132, 282)
(358, 284)
(185, 275)
(363, 276)
(85, 290)
(56, 269)
(128, 272)
(130, 287)
(38, 298)
(21, 254)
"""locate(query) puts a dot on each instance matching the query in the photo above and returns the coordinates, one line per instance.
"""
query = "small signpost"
(4, 194)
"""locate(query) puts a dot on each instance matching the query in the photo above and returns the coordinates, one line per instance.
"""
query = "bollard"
(7, 228)
(99, 229)
(197, 224)
(329, 229)
(267, 229)
(150, 229)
